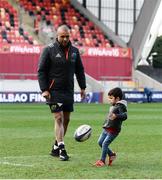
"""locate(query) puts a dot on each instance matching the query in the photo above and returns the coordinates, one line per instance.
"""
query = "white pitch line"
(26, 157)
(15, 164)
(20, 157)
(5, 160)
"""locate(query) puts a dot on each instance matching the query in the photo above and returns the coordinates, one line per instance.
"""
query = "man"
(58, 63)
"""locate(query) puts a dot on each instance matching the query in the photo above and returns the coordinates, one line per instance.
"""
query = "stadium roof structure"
(141, 32)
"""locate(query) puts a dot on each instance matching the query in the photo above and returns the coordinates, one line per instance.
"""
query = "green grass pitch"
(26, 135)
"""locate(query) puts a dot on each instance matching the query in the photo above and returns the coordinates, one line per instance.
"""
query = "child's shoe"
(112, 158)
(99, 163)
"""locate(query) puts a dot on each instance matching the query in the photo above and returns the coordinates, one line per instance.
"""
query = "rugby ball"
(82, 133)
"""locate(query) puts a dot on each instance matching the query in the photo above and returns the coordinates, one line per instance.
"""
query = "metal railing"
(118, 78)
(18, 75)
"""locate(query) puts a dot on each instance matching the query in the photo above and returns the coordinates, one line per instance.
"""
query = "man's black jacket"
(56, 71)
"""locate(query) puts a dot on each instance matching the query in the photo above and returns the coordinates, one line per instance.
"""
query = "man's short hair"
(63, 27)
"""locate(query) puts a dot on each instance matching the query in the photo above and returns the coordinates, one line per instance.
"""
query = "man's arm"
(43, 68)
(80, 74)
(82, 93)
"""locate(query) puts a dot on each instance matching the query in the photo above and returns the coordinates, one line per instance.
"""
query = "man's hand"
(46, 95)
(82, 93)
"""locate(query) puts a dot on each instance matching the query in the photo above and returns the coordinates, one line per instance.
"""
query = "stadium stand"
(11, 31)
(46, 14)
(53, 13)
(107, 59)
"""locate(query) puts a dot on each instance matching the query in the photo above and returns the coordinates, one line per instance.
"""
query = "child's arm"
(121, 114)
(112, 116)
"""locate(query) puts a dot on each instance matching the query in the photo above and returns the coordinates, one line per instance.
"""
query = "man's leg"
(59, 134)
(59, 128)
(65, 117)
(66, 121)
(58, 148)
(55, 149)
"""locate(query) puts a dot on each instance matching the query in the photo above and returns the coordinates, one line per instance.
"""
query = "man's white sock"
(61, 143)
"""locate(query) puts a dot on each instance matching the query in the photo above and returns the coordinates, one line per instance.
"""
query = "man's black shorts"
(61, 107)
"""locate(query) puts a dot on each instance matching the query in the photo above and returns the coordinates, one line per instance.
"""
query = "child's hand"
(112, 116)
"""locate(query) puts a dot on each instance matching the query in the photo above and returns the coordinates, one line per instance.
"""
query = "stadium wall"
(21, 62)
(95, 97)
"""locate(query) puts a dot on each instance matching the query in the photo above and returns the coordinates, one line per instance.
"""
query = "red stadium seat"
(61, 12)
(10, 24)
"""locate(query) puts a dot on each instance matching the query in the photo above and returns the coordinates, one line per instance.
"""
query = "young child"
(112, 125)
